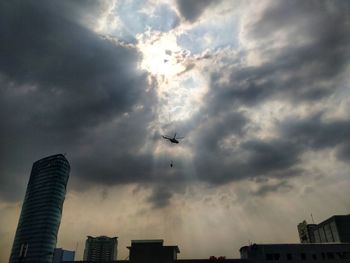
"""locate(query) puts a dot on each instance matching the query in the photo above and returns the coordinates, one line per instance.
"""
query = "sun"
(161, 55)
(179, 88)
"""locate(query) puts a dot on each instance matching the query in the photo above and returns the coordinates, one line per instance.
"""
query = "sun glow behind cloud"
(160, 54)
(179, 87)
(232, 82)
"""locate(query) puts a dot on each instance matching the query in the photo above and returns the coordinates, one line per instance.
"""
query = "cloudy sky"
(259, 89)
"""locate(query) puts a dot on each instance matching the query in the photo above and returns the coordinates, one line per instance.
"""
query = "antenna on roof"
(312, 218)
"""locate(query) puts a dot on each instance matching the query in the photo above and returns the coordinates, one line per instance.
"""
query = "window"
(322, 234)
(330, 255)
(314, 256)
(269, 256)
(341, 255)
(276, 256)
(334, 231)
(289, 256)
(303, 256)
(328, 233)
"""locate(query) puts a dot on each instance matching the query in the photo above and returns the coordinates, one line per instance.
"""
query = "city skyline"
(259, 91)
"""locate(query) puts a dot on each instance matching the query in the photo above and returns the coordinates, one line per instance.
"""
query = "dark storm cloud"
(251, 159)
(160, 197)
(316, 133)
(265, 189)
(215, 129)
(312, 15)
(268, 156)
(65, 89)
(192, 9)
(309, 67)
(344, 152)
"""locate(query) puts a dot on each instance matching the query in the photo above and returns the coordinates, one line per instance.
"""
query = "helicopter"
(174, 139)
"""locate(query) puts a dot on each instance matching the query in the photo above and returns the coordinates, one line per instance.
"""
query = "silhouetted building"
(40, 218)
(62, 255)
(178, 261)
(293, 253)
(306, 232)
(101, 249)
(333, 229)
(218, 260)
(152, 251)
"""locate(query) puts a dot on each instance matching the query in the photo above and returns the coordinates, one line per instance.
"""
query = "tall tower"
(40, 218)
(101, 249)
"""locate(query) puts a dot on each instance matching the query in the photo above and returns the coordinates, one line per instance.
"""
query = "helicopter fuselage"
(173, 140)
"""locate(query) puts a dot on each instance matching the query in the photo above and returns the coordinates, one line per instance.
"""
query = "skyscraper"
(40, 218)
(100, 249)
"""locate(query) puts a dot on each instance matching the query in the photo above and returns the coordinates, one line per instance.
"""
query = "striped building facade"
(40, 218)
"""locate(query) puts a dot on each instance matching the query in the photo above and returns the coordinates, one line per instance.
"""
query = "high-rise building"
(101, 249)
(62, 255)
(333, 229)
(40, 218)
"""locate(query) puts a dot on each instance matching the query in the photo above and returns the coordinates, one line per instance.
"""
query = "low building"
(179, 261)
(62, 255)
(101, 249)
(226, 260)
(333, 229)
(325, 252)
(152, 251)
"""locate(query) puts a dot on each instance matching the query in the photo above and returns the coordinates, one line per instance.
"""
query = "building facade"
(306, 232)
(152, 251)
(333, 229)
(62, 255)
(295, 253)
(40, 218)
(101, 249)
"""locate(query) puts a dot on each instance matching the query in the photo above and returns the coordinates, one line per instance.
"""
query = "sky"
(258, 89)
